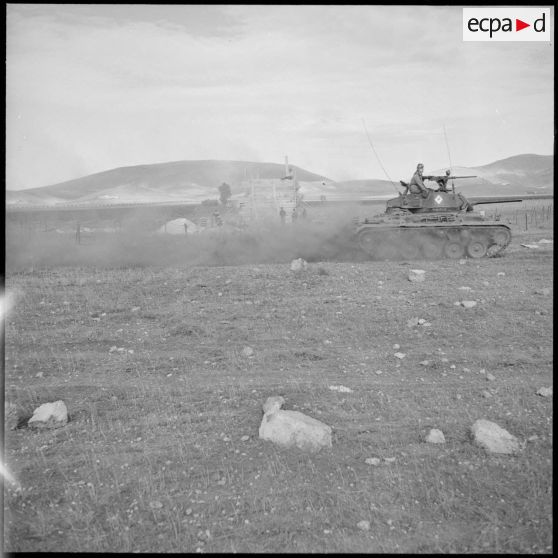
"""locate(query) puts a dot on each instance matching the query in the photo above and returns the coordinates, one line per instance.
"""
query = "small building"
(176, 226)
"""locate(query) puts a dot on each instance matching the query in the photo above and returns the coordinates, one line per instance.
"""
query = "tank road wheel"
(408, 251)
(432, 248)
(407, 246)
(476, 248)
(500, 238)
(453, 250)
(387, 247)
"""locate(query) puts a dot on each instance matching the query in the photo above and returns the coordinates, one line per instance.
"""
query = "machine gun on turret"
(443, 180)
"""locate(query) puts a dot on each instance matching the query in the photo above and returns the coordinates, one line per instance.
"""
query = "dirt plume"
(264, 243)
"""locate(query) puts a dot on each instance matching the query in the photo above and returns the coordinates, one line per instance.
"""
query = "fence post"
(526, 218)
(78, 234)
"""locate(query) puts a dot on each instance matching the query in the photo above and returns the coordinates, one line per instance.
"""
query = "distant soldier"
(304, 213)
(283, 215)
(185, 228)
(294, 216)
(217, 218)
(416, 185)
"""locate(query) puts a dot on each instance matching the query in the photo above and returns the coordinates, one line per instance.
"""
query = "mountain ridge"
(197, 180)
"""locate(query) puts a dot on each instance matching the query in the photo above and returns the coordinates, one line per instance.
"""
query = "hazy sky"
(94, 87)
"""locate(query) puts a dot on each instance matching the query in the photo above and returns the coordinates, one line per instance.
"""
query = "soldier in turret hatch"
(416, 185)
(443, 181)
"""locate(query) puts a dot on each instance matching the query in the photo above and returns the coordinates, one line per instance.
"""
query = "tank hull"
(388, 240)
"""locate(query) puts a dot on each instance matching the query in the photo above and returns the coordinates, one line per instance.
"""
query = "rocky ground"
(164, 371)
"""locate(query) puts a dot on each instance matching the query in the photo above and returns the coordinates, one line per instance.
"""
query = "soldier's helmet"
(420, 166)
(448, 172)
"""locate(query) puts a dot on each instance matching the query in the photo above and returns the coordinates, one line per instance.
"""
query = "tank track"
(428, 241)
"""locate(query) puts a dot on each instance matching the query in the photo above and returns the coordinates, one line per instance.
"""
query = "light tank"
(434, 225)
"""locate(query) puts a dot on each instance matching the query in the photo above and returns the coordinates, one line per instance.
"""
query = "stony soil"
(162, 454)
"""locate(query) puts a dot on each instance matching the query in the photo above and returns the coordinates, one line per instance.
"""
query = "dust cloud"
(329, 237)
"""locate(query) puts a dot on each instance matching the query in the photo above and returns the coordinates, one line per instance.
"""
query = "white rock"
(490, 377)
(424, 362)
(342, 389)
(298, 265)
(247, 351)
(435, 436)
(464, 288)
(494, 439)
(486, 394)
(245, 438)
(364, 525)
(372, 461)
(468, 303)
(291, 428)
(544, 292)
(396, 346)
(462, 261)
(422, 321)
(501, 274)
(545, 391)
(49, 415)
(532, 246)
(416, 275)
(399, 355)
(545, 241)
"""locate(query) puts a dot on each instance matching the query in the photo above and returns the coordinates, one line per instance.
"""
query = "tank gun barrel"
(493, 199)
(436, 178)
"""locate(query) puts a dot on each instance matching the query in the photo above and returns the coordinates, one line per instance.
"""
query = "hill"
(180, 180)
(198, 180)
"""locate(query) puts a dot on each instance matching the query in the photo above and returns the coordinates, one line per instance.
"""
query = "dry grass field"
(148, 357)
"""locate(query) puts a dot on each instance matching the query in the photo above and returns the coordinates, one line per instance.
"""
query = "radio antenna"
(378, 158)
(449, 157)
(447, 146)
